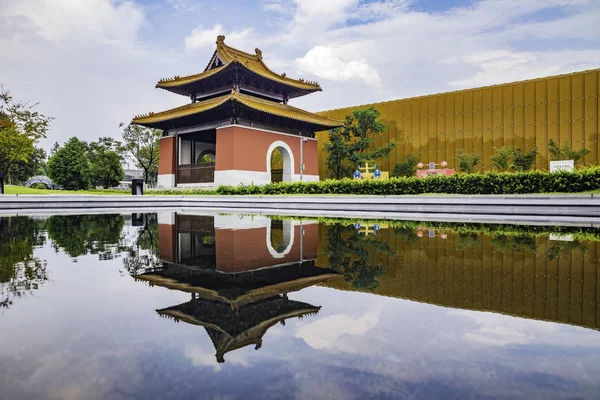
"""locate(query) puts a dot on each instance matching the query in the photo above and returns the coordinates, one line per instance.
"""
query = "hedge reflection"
(20, 272)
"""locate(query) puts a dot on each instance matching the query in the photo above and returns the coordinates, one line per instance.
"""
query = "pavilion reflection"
(239, 271)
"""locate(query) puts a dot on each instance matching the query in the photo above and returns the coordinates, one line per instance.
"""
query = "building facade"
(564, 108)
(238, 116)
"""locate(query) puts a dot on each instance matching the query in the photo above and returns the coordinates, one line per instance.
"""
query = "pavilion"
(238, 116)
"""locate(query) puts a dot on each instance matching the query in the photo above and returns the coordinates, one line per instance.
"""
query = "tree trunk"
(146, 175)
(8, 176)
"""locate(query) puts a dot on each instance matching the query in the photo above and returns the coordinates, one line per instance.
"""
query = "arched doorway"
(280, 162)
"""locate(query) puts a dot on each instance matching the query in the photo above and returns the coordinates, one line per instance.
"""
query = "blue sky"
(94, 63)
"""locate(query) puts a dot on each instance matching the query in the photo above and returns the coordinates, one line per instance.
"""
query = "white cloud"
(322, 61)
(70, 20)
(328, 332)
(201, 38)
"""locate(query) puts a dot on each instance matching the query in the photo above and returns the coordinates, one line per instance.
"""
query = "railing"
(196, 173)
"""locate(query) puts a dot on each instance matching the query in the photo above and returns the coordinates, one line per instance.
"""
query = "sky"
(92, 64)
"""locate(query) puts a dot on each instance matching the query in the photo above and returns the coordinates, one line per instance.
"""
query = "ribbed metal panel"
(564, 108)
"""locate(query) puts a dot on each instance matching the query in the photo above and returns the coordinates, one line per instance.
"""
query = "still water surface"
(183, 306)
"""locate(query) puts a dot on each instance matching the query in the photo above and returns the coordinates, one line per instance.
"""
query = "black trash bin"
(137, 187)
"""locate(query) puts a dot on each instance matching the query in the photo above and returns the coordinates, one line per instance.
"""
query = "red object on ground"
(422, 173)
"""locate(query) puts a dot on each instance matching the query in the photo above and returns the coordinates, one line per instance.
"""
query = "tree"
(565, 152)
(338, 151)
(106, 168)
(22, 116)
(467, 161)
(70, 167)
(14, 149)
(142, 144)
(20, 128)
(407, 166)
(510, 158)
(351, 145)
(36, 165)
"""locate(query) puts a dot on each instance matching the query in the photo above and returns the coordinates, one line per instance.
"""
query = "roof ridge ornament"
(220, 39)
(258, 53)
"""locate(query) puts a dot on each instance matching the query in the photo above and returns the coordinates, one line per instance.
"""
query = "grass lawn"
(158, 192)
(25, 190)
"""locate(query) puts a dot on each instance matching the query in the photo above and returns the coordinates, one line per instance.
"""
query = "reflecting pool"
(175, 305)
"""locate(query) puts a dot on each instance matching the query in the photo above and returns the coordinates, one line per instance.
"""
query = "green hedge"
(489, 183)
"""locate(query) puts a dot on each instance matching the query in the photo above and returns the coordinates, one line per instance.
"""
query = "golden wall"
(556, 281)
(528, 113)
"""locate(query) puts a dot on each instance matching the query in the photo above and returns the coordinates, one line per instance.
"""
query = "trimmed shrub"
(489, 183)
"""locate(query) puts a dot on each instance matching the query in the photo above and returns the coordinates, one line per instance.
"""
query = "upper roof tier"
(230, 66)
(237, 105)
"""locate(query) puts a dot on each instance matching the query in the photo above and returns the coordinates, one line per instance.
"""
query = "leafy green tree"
(143, 145)
(338, 150)
(524, 160)
(467, 161)
(565, 153)
(70, 166)
(106, 167)
(23, 117)
(20, 127)
(352, 144)
(15, 148)
(407, 166)
(510, 158)
(36, 165)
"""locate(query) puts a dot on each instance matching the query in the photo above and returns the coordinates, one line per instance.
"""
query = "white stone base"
(166, 181)
(238, 177)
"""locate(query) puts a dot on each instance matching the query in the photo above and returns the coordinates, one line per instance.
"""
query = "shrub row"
(489, 183)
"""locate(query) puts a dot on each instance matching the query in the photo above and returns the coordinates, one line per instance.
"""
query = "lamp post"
(302, 141)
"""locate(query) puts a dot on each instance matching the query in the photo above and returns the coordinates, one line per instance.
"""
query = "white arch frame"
(288, 227)
(288, 160)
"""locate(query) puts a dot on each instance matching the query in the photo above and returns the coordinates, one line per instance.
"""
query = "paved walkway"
(579, 209)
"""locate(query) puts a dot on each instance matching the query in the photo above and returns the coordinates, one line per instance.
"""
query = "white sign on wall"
(563, 165)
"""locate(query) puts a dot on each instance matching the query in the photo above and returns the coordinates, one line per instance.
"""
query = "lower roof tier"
(237, 106)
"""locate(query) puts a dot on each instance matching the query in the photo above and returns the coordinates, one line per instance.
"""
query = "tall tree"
(353, 143)
(20, 127)
(22, 116)
(106, 167)
(14, 149)
(36, 165)
(70, 167)
(142, 144)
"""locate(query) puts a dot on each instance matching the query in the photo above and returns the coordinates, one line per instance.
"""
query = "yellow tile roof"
(266, 106)
(252, 62)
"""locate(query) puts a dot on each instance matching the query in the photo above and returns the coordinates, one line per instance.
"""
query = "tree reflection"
(20, 271)
(144, 253)
(352, 255)
(78, 235)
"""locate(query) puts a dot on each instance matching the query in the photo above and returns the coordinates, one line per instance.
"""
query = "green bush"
(406, 167)
(489, 183)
